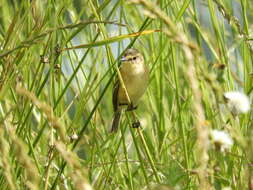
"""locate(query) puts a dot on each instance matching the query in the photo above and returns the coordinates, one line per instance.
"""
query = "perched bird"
(135, 75)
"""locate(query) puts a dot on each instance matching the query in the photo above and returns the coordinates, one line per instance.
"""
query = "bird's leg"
(131, 107)
(136, 123)
(123, 104)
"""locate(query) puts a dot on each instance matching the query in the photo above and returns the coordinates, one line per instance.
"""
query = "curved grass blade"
(112, 39)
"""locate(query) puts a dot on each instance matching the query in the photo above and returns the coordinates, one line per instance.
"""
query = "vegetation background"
(58, 61)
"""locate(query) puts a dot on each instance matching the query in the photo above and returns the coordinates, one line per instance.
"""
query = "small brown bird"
(135, 75)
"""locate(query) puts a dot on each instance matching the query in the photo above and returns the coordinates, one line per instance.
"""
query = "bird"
(135, 77)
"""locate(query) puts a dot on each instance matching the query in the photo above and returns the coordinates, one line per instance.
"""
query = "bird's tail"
(116, 121)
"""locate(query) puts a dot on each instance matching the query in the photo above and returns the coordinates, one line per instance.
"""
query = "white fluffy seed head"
(222, 141)
(237, 102)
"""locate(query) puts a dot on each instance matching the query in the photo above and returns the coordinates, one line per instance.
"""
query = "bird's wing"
(115, 95)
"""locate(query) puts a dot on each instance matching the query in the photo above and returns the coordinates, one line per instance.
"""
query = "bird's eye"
(134, 58)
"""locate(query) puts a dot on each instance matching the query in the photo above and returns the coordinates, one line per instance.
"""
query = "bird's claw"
(136, 124)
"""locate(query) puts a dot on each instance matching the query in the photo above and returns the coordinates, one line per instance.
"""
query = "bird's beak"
(123, 59)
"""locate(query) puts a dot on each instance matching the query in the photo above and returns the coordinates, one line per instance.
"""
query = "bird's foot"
(136, 124)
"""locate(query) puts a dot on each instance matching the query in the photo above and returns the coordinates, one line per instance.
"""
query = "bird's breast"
(135, 81)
